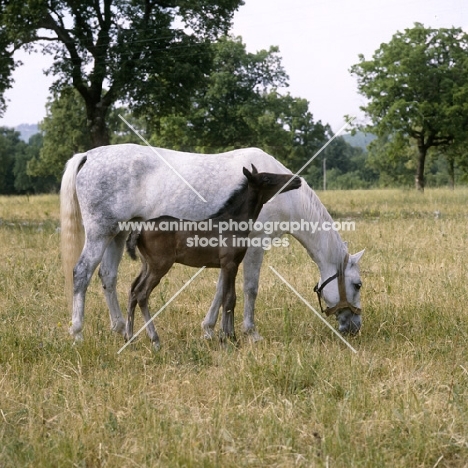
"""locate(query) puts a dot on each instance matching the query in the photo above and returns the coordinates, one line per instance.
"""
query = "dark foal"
(197, 247)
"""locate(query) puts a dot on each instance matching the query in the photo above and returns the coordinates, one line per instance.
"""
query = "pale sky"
(319, 40)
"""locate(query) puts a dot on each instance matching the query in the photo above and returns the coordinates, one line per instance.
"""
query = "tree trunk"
(451, 173)
(96, 115)
(419, 179)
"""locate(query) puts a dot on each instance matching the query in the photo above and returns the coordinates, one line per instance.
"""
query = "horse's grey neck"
(326, 248)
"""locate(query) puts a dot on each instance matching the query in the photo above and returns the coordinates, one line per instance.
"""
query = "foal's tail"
(131, 243)
(72, 232)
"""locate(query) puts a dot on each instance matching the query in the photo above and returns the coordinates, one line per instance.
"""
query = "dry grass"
(298, 398)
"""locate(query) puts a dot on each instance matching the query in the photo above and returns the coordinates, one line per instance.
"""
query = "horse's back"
(123, 182)
(137, 160)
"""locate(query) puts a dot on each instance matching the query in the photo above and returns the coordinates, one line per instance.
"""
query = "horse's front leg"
(211, 317)
(252, 264)
(108, 274)
(229, 301)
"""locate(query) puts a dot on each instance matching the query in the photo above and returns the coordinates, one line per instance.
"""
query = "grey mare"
(113, 184)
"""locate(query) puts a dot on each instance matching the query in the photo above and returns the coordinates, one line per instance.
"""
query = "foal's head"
(267, 185)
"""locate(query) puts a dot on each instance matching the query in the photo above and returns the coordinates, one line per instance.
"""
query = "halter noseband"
(343, 303)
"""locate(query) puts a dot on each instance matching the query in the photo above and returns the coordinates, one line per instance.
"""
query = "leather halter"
(343, 302)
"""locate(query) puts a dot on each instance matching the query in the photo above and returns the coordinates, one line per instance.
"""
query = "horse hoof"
(208, 333)
(156, 346)
(76, 334)
(225, 338)
(119, 327)
(78, 338)
(254, 336)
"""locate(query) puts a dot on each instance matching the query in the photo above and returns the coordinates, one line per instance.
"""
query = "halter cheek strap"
(343, 302)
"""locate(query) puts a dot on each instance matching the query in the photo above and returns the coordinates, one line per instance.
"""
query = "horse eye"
(358, 285)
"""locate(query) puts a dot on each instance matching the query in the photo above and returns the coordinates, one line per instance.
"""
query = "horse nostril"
(350, 326)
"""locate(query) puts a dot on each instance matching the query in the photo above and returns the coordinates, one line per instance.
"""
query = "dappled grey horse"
(113, 184)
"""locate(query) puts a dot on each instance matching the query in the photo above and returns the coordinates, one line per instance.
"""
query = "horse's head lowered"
(343, 290)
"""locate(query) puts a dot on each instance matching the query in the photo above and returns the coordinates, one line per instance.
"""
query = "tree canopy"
(417, 87)
(240, 105)
(14, 157)
(237, 105)
(64, 133)
(117, 50)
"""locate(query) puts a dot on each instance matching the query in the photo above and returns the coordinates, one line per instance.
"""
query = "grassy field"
(298, 398)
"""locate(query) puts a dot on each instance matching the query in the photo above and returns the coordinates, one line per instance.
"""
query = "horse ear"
(357, 256)
(247, 173)
(254, 170)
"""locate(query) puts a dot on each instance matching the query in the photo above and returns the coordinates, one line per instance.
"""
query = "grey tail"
(132, 241)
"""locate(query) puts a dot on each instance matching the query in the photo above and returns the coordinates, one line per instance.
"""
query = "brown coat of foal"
(160, 249)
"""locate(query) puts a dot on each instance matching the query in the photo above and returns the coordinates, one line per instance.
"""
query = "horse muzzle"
(349, 323)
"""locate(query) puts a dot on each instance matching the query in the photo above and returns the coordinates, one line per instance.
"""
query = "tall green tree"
(287, 129)
(117, 50)
(456, 158)
(15, 156)
(25, 182)
(64, 131)
(393, 159)
(222, 113)
(417, 87)
(240, 105)
(11, 147)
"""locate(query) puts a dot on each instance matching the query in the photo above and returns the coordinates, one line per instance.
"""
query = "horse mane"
(233, 204)
(331, 242)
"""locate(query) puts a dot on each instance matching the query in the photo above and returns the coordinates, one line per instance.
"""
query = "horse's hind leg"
(143, 297)
(133, 301)
(142, 291)
(108, 274)
(82, 272)
(211, 317)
